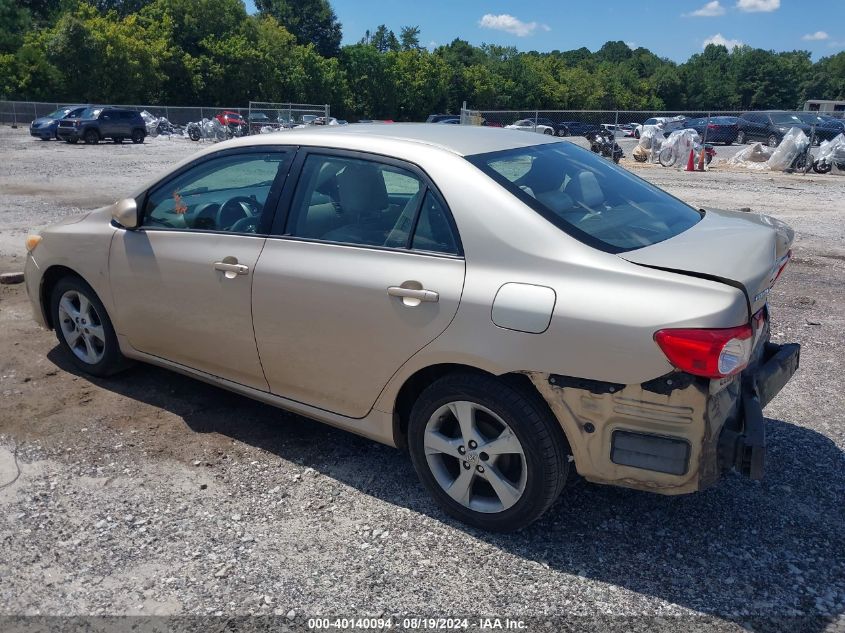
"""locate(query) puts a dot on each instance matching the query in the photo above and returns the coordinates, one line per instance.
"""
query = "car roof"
(463, 140)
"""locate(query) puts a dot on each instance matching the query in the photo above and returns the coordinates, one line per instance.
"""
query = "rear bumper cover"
(742, 444)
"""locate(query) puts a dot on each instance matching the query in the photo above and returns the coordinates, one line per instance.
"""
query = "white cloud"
(709, 10)
(721, 41)
(510, 24)
(818, 36)
(758, 6)
(631, 45)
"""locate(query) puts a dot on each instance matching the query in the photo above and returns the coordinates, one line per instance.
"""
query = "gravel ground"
(154, 494)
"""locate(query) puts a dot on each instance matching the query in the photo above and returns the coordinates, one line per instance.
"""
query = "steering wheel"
(236, 209)
(245, 225)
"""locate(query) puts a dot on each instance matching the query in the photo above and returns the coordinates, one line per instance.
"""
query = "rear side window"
(588, 197)
(368, 203)
(434, 231)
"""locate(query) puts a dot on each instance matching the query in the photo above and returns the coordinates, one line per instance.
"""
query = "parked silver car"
(502, 305)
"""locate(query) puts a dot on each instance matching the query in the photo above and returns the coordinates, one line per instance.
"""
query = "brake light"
(711, 126)
(712, 353)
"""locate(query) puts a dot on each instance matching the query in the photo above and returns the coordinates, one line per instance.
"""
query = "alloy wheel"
(82, 327)
(475, 457)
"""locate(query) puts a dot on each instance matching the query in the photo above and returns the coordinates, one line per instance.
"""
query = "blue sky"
(671, 28)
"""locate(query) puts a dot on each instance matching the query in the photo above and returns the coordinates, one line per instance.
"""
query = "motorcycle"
(803, 162)
(603, 143)
(831, 154)
(826, 164)
(668, 156)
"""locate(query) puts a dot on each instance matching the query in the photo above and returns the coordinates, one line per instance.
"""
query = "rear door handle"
(231, 269)
(412, 296)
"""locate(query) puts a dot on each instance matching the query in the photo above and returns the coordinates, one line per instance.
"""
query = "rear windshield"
(587, 196)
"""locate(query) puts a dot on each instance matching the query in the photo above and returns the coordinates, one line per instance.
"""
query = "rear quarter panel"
(606, 309)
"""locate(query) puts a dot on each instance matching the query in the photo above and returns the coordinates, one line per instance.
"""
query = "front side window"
(228, 193)
(367, 203)
(588, 197)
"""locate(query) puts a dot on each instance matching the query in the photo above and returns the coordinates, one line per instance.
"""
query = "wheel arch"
(417, 382)
(49, 279)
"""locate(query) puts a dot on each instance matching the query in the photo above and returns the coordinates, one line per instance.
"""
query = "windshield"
(588, 197)
(786, 119)
(90, 113)
(59, 114)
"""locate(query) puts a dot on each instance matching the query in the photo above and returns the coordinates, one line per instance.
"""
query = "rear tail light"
(710, 353)
(711, 126)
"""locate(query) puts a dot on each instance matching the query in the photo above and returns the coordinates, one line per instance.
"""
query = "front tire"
(773, 141)
(491, 455)
(92, 137)
(740, 138)
(84, 329)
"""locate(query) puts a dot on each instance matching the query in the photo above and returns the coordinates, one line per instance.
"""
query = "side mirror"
(125, 213)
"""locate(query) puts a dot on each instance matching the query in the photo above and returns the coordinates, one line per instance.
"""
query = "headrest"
(361, 189)
(591, 194)
(543, 175)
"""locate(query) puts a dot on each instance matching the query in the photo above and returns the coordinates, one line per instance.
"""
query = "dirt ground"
(154, 494)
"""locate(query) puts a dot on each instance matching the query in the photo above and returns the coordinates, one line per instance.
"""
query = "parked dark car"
(452, 121)
(768, 127)
(257, 120)
(45, 127)
(827, 128)
(577, 128)
(96, 124)
(437, 118)
(718, 129)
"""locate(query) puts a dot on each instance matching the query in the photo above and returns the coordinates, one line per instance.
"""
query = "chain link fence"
(21, 113)
(285, 115)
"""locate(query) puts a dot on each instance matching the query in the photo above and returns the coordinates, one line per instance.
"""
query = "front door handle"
(231, 269)
(413, 296)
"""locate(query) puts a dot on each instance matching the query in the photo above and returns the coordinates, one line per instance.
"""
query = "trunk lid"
(741, 249)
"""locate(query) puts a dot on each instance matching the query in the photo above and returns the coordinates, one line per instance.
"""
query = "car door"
(366, 271)
(181, 282)
(107, 123)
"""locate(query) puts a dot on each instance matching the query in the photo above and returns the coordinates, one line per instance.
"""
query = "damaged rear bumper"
(673, 435)
(742, 442)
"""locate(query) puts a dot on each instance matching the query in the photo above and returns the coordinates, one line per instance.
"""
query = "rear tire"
(84, 329)
(773, 141)
(821, 168)
(740, 138)
(503, 488)
(72, 141)
(137, 136)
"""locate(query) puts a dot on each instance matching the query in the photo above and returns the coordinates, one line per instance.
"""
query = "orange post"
(701, 160)
(691, 161)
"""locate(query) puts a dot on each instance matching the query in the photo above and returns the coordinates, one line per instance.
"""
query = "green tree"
(15, 20)
(384, 40)
(409, 37)
(310, 21)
